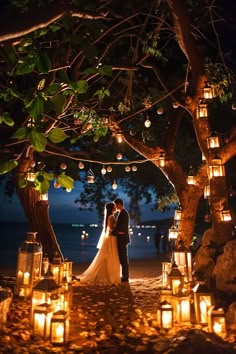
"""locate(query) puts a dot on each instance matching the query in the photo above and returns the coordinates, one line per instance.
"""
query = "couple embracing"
(110, 265)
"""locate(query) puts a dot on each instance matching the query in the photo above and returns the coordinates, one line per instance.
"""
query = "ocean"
(77, 242)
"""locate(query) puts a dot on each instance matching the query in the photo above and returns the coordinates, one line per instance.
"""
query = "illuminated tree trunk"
(37, 213)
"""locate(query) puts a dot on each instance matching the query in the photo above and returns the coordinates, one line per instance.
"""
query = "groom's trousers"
(123, 257)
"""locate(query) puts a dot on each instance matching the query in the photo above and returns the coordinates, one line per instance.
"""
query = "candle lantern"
(30, 176)
(42, 319)
(202, 111)
(90, 176)
(43, 291)
(173, 233)
(59, 327)
(216, 169)
(67, 270)
(178, 213)
(57, 269)
(43, 197)
(181, 307)
(191, 178)
(165, 315)
(119, 138)
(161, 160)
(65, 295)
(213, 142)
(206, 191)
(183, 258)
(175, 279)
(217, 321)
(203, 300)
(29, 263)
(208, 92)
(166, 267)
(225, 215)
(45, 265)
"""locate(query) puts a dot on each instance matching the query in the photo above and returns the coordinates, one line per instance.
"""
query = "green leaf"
(21, 133)
(57, 135)
(48, 176)
(65, 181)
(105, 70)
(42, 187)
(22, 183)
(7, 119)
(53, 88)
(37, 140)
(80, 86)
(92, 70)
(96, 138)
(43, 62)
(25, 67)
(7, 166)
(59, 102)
(37, 107)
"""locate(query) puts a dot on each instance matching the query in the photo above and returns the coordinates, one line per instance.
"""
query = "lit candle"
(185, 311)
(217, 328)
(175, 286)
(203, 311)
(26, 278)
(59, 332)
(166, 319)
(20, 275)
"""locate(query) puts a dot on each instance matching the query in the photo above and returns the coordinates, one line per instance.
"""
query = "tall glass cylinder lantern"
(29, 263)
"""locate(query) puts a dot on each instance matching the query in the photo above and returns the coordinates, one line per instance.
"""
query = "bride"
(105, 267)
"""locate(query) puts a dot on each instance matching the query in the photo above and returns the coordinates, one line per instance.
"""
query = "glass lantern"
(216, 169)
(59, 327)
(207, 191)
(178, 213)
(225, 215)
(161, 160)
(183, 258)
(90, 176)
(65, 295)
(208, 92)
(217, 321)
(29, 263)
(165, 295)
(67, 270)
(181, 308)
(191, 179)
(165, 315)
(119, 138)
(166, 267)
(57, 269)
(213, 142)
(173, 233)
(203, 300)
(43, 291)
(202, 111)
(41, 320)
(175, 279)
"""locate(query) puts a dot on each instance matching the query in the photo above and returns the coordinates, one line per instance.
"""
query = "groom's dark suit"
(121, 231)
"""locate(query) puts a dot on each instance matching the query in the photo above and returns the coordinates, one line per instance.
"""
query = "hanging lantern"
(81, 165)
(41, 320)
(119, 138)
(202, 111)
(147, 123)
(191, 178)
(119, 156)
(109, 169)
(208, 92)
(178, 213)
(166, 267)
(90, 176)
(45, 265)
(175, 105)
(203, 300)
(59, 327)
(43, 197)
(127, 168)
(181, 308)
(161, 160)
(175, 279)
(213, 142)
(225, 215)
(103, 170)
(30, 176)
(173, 233)
(207, 191)
(216, 169)
(43, 291)
(57, 269)
(165, 315)
(183, 258)
(203, 158)
(29, 263)
(114, 185)
(217, 321)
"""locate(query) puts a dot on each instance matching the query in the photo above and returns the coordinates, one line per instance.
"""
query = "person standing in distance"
(121, 231)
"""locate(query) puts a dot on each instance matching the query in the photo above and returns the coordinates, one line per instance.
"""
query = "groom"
(121, 231)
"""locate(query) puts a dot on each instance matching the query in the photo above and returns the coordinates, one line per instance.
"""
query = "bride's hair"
(108, 211)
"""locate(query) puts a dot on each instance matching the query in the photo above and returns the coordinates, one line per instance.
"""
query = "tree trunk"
(36, 211)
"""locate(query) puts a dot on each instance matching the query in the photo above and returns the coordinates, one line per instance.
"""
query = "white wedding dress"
(105, 267)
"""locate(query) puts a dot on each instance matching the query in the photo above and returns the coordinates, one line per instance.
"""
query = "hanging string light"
(134, 168)
(103, 170)
(68, 190)
(175, 105)
(81, 165)
(109, 169)
(63, 166)
(114, 185)
(119, 156)
(90, 176)
(127, 168)
(56, 184)
(147, 122)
